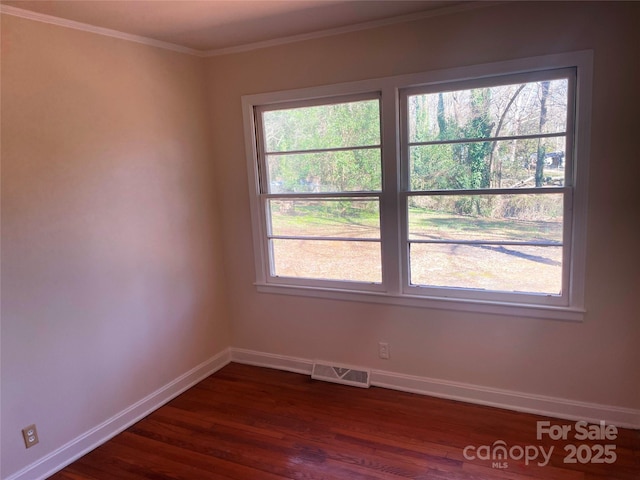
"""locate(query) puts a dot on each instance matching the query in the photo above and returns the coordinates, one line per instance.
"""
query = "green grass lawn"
(492, 267)
(305, 220)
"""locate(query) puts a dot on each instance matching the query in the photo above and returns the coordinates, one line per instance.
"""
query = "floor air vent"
(340, 374)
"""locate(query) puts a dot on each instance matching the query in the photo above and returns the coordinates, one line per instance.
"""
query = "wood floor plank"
(251, 423)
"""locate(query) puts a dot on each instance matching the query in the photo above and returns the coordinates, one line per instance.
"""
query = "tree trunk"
(442, 123)
(543, 120)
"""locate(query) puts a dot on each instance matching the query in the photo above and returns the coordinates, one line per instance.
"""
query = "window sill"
(570, 314)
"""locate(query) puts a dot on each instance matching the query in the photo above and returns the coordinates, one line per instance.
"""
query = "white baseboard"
(510, 400)
(270, 360)
(517, 401)
(95, 437)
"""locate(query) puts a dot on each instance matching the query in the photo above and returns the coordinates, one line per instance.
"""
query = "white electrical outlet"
(30, 435)
(383, 350)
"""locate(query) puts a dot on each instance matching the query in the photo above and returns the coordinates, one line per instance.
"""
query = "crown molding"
(461, 7)
(63, 22)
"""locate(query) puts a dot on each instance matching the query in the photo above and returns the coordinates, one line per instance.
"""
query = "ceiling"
(212, 25)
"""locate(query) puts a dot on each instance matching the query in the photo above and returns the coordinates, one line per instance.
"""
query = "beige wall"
(111, 278)
(595, 361)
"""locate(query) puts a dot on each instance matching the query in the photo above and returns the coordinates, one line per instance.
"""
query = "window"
(460, 189)
(320, 175)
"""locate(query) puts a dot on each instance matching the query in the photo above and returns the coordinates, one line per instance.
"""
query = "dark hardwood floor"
(251, 423)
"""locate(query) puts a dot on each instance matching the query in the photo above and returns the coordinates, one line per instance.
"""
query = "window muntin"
(321, 190)
(397, 242)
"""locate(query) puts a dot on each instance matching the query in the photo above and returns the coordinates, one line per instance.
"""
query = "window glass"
(507, 268)
(491, 164)
(492, 242)
(327, 260)
(339, 125)
(329, 171)
(498, 111)
(515, 218)
(441, 123)
(344, 218)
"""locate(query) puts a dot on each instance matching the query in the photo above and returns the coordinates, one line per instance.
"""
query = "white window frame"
(395, 288)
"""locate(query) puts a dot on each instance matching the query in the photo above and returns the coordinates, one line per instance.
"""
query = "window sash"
(268, 237)
(261, 151)
(563, 299)
(265, 196)
(462, 293)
